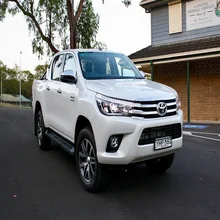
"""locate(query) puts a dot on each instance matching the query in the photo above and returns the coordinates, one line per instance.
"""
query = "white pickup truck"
(98, 106)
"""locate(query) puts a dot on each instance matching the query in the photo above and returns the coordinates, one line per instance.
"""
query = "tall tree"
(127, 3)
(48, 20)
(87, 26)
(40, 70)
(10, 84)
(10, 80)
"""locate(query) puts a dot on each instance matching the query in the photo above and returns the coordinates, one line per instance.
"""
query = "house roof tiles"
(177, 47)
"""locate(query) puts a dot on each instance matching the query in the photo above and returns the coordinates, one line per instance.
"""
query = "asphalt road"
(37, 185)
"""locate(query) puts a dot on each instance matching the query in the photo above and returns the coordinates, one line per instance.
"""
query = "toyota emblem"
(161, 108)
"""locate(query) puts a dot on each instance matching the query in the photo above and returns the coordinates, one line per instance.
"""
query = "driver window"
(69, 63)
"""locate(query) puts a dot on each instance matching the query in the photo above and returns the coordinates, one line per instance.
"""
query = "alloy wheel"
(39, 129)
(87, 161)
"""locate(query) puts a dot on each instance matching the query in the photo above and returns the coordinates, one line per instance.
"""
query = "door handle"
(48, 88)
(72, 98)
(59, 91)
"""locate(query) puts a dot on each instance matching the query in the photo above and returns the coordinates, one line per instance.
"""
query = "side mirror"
(68, 76)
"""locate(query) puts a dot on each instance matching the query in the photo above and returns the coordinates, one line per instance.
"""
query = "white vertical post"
(20, 78)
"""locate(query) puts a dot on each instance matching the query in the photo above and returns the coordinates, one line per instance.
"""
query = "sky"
(123, 29)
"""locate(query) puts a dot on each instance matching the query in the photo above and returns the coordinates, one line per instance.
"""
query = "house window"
(175, 17)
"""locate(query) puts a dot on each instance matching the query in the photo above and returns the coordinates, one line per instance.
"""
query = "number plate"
(161, 143)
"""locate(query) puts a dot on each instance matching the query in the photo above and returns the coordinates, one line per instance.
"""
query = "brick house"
(185, 53)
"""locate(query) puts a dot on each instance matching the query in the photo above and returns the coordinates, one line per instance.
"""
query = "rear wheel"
(93, 175)
(42, 140)
(161, 164)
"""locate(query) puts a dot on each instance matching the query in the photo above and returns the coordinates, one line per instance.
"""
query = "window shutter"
(175, 17)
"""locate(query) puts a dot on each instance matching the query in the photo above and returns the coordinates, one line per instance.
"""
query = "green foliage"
(3, 9)
(11, 79)
(46, 19)
(127, 3)
(87, 26)
(49, 23)
(27, 82)
(40, 70)
(51, 16)
(100, 45)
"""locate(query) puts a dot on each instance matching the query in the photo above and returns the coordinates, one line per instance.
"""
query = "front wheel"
(42, 140)
(93, 175)
(160, 165)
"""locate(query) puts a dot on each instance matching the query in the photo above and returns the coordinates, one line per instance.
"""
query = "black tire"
(93, 175)
(160, 165)
(43, 141)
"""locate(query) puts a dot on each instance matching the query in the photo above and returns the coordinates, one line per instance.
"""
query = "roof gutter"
(146, 2)
(194, 55)
(149, 4)
(176, 55)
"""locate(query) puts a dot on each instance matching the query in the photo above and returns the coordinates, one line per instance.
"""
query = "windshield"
(103, 65)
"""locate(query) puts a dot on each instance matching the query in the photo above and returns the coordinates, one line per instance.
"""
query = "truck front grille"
(148, 109)
(149, 135)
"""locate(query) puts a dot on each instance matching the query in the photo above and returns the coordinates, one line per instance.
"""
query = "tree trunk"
(73, 21)
(74, 38)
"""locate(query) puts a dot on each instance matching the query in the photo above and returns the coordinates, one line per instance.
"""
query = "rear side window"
(57, 67)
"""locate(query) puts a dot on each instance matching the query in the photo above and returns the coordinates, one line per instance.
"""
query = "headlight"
(178, 103)
(111, 106)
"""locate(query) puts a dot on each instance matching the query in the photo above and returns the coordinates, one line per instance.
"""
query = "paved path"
(47, 186)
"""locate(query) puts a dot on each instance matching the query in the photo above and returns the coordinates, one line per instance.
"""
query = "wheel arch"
(81, 123)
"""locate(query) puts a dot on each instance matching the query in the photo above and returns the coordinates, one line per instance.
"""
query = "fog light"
(114, 143)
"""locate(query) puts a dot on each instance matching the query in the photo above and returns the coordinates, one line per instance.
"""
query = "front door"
(53, 94)
(68, 101)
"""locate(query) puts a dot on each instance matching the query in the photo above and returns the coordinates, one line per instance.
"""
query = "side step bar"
(65, 144)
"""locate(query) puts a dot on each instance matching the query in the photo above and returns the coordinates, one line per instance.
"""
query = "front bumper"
(129, 150)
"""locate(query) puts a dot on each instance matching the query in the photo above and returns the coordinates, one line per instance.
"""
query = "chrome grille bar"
(148, 109)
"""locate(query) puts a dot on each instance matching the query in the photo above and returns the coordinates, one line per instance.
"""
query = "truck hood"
(131, 89)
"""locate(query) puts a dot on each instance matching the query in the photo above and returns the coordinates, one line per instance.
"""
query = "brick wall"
(205, 86)
(205, 90)
(174, 75)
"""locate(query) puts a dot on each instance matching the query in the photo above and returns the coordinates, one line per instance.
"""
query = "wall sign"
(202, 14)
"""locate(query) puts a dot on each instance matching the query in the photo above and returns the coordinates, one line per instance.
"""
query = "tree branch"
(79, 10)
(43, 22)
(32, 6)
(46, 39)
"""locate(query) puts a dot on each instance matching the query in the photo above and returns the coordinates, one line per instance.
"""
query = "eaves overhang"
(149, 4)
